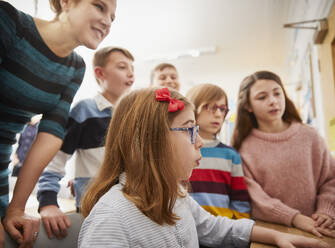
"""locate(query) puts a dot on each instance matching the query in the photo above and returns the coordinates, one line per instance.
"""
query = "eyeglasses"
(194, 131)
(213, 108)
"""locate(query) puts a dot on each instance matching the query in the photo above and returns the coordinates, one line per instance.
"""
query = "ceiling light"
(182, 54)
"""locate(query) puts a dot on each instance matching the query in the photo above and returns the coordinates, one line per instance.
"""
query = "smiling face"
(116, 77)
(267, 102)
(186, 155)
(210, 123)
(90, 20)
(167, 77)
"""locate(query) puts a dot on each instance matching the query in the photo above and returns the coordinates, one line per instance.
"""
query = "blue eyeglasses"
(194, 131)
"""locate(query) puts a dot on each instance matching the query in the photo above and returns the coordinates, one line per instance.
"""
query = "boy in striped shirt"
(85, 136)
(217, 184)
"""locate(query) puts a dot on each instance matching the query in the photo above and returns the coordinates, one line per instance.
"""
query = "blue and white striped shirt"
(85, 140)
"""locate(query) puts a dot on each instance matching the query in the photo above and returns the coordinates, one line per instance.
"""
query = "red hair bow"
(163, 95)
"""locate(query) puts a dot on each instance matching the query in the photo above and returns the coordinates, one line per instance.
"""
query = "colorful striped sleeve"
(239, 196)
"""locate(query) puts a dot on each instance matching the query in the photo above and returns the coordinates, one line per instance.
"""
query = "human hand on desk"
(291, 241)
(21, 227)
(284, 240)
(327, 232)
(323, 221)
(306, 223)
(55, 221)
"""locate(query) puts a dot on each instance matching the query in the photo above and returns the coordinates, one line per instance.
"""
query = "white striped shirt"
(116, 222)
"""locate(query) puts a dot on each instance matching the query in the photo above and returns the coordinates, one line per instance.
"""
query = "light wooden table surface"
(286, 229)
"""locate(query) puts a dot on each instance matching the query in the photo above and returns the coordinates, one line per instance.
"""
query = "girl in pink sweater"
(290, 173)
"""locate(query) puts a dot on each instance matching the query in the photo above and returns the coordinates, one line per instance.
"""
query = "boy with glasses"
(217, 184)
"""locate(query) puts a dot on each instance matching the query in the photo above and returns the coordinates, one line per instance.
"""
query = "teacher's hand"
(2, 236)
(21, 227)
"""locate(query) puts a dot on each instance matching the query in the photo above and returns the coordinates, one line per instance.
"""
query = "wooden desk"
(286, 229)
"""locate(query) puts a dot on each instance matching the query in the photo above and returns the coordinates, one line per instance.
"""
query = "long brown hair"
(245, 120)
(138, 144)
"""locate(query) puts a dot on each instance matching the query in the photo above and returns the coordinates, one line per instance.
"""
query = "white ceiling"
(248, 36)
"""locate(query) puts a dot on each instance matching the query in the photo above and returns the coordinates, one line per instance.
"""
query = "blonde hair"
(203, 94)
(160, 67)
(57, 7)
(101, 56)
(245, 120)
(138, 144)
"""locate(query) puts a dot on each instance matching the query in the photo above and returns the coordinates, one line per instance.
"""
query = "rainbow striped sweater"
(218, 183)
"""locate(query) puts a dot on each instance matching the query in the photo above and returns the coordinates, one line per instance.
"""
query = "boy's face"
(168, 77)
(116, 77)
(210, 119)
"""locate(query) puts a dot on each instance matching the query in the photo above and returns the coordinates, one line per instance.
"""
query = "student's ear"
(98, 73)
(65, 4)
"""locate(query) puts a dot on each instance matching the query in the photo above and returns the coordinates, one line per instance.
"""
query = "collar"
(123, 178)
(211, 143)
(102, 102)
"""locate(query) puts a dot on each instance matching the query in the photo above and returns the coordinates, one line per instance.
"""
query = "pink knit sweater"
(288, 173)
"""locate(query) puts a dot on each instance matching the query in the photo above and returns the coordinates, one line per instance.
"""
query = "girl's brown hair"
(138, 144)
(245, 120)
(203, 94)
